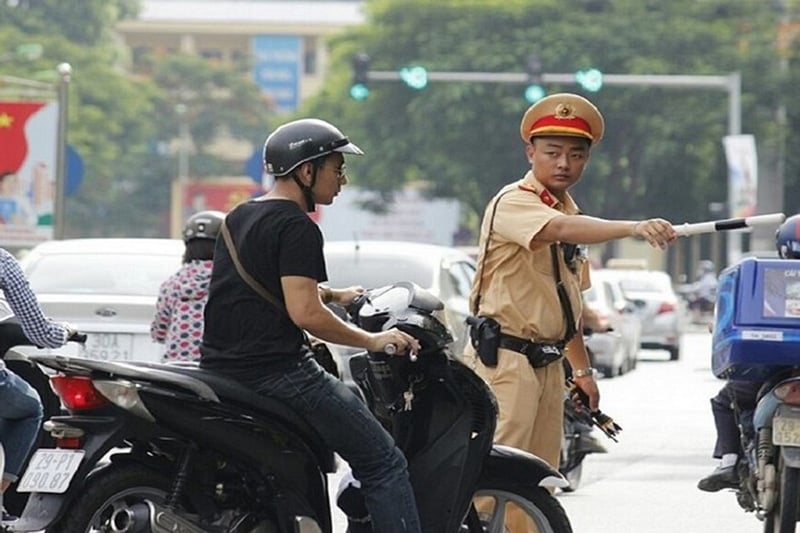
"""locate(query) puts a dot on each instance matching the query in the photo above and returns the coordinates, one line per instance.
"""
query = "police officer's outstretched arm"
(307, 311)
(582, 229)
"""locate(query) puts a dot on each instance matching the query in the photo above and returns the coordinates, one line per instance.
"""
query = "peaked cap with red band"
(562, 114)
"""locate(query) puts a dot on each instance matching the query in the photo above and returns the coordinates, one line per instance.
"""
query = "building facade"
(283, 41)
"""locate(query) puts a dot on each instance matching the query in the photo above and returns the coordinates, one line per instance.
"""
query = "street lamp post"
(179, 187)
(65, 74)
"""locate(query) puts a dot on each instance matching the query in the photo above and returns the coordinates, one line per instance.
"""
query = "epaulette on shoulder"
(544, 195)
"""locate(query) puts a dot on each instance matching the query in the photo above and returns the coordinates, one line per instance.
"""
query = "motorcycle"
(756, 339)
(170, 447)
(11, 339)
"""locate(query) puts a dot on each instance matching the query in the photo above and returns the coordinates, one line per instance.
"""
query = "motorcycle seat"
(231, 391)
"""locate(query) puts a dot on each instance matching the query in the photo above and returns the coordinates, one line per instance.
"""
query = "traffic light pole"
(732, 84)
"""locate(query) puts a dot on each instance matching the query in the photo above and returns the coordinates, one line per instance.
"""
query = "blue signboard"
(276, 68)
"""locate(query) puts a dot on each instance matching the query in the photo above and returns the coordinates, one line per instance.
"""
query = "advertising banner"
(276, 68)
(740, 153)
(28, 145)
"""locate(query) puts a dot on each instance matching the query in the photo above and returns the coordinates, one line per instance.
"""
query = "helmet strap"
(308, 194)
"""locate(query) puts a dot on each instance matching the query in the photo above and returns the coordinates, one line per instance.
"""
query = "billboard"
(28, 146)
(276, 68)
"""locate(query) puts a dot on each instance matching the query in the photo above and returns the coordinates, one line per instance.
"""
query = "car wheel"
(674, 353)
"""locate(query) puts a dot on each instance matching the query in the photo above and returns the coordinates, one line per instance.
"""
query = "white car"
(658, 306)
(106, 288)
(444, 271)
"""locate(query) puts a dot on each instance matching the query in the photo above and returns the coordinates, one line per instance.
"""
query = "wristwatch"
(584, 372)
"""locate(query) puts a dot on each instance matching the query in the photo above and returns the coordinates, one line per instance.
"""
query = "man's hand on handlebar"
(73, 335)
(400, 341)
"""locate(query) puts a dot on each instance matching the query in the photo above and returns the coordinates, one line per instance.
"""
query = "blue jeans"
(20, 419)
(349, 428)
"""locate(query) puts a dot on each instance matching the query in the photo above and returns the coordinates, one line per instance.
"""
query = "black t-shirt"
(245, 335)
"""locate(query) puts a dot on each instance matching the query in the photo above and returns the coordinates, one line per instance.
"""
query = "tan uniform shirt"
(517, 286)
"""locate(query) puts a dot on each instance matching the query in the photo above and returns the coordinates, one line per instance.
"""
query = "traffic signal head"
(534, 93)
(590, 79)
(358, 89)
(533, 68)
(415, 77)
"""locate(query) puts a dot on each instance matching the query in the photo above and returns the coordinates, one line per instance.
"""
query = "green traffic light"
(415, 77)
(590, 79)
(534, 93)
(359, 91)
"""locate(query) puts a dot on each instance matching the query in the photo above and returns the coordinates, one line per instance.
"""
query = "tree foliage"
(662, 153)
(122, 125)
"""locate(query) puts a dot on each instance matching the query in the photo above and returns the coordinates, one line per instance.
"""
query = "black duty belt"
(539, 354)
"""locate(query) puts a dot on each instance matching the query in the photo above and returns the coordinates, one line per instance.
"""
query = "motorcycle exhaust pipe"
(134, 519)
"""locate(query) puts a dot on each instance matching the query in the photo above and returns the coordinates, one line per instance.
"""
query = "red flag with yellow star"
(13, 140)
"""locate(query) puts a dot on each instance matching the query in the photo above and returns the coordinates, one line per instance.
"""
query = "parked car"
(444, 271)
(106, 288)
(614, 352)
(658, 306)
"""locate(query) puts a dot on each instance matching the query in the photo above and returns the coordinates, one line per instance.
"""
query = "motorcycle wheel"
(538, 504)
(783, 516)
(115, 488)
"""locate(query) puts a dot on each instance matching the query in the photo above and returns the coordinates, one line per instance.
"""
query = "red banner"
(13, 116)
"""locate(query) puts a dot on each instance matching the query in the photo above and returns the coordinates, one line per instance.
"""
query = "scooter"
(165, 447)
(756, 338)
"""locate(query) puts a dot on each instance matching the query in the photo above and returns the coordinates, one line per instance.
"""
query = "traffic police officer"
(530, 226)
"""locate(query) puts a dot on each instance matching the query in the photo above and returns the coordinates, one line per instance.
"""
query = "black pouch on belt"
(484, 334)
(539, 354)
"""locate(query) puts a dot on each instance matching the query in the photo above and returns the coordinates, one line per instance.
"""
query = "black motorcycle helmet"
(787, 238)
(203, 225)
(300, 141)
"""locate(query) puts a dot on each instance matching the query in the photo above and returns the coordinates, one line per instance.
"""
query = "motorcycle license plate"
(785, 431)
(50, 470)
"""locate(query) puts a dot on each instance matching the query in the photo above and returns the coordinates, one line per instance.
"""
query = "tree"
(662, 154)
(121, 123)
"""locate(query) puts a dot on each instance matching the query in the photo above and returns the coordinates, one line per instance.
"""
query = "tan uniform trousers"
(531, 411)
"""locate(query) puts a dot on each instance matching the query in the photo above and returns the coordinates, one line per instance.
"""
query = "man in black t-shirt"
(263, 345)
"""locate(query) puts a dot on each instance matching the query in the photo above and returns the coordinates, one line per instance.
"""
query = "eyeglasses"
(340, 172)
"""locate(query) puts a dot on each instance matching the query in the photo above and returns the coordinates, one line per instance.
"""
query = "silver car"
(614, 352)
(658, 306)
(106, 288)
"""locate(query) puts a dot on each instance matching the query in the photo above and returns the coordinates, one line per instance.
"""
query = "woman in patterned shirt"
(178, 323)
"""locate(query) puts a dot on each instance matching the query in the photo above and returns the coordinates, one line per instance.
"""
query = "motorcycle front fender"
(512, 464)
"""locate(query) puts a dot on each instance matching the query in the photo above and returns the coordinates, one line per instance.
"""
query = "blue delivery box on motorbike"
(757, 319)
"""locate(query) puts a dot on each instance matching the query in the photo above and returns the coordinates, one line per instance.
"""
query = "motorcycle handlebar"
(391, 349)
(77, 336)
(686, 229)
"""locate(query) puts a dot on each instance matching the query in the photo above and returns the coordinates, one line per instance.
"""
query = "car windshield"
(376, 271)
(101, 274)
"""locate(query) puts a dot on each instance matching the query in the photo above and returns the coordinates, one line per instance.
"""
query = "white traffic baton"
(686, 229)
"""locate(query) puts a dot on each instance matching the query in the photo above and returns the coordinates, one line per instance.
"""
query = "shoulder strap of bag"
(255, 285)
(566, 306)
(479, 273)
